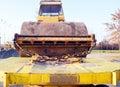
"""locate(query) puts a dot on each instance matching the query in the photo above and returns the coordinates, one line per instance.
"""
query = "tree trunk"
(119, 46)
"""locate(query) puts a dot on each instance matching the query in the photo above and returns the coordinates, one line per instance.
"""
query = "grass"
(105, 51)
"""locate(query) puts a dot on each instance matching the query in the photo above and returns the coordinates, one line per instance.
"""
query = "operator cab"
(50, 10)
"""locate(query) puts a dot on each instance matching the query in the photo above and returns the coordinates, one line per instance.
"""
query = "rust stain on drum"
(54, 29)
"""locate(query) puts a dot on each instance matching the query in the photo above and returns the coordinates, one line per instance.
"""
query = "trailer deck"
(92, 71)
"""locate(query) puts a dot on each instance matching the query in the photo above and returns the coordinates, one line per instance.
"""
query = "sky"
(94, 13)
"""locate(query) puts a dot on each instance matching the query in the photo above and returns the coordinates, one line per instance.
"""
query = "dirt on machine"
(51, 36)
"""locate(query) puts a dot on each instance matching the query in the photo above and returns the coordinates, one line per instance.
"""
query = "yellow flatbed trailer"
(93, 71)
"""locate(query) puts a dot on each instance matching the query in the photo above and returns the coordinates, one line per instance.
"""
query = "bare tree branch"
(114, 28)
(116, 16)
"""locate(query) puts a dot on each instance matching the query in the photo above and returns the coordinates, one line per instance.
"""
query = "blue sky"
(94, 13)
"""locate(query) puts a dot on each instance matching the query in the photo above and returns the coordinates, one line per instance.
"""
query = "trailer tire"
(101, 85)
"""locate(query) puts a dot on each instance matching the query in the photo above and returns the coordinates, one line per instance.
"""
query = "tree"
(114, 28)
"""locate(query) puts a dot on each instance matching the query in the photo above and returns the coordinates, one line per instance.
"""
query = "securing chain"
(27, 52)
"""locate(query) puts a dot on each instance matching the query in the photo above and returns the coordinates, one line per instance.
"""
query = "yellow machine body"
(51, 36)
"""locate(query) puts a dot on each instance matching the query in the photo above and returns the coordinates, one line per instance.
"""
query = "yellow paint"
(22, 78)
(40, 79)
(102, 78)
(5, 79)
(50, 18)
(116, 77)
(95, 78)
(19, 78)
(45, 79)
(85, 78)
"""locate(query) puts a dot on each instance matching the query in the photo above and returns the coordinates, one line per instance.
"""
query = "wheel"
(101, 85)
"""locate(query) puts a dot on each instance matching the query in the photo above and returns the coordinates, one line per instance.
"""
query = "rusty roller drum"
(54, 29)
(53, 39)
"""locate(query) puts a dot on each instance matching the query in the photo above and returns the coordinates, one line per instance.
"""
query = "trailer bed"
(93, 71)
